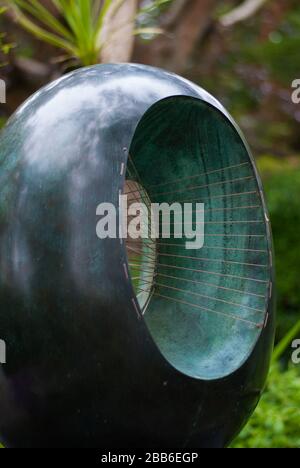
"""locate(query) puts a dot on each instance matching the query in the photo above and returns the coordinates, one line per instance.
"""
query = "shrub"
(282, 186)
(276, 421)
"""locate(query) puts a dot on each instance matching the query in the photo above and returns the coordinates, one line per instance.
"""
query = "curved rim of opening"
(230, 121)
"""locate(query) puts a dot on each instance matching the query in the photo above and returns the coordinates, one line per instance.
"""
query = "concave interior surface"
(205, 308)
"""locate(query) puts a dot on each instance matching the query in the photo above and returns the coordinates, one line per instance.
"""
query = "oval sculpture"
(110, 343)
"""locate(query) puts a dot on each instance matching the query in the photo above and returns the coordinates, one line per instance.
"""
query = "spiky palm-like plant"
(77, 28)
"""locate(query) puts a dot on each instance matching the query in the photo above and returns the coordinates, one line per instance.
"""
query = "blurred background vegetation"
(246, 53)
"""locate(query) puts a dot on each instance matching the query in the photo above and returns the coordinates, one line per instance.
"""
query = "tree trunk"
(185, 23)
(117, 34)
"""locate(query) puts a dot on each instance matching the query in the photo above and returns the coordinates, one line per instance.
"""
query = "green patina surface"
(183, 150)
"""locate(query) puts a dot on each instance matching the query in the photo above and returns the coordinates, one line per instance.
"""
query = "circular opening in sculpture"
(206, 302)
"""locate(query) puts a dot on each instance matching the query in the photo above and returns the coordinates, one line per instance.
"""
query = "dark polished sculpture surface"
(84, 369)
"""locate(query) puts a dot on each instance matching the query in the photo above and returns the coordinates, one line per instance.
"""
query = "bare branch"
(242, 12)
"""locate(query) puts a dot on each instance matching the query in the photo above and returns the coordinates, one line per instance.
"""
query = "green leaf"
(78, 33)
(42, 14)
(286, 342)
(99, 24)
(41, 33)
